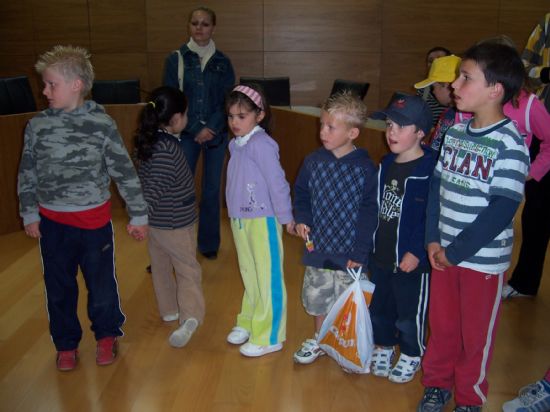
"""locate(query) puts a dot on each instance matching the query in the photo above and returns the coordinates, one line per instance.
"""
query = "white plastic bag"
(346, 334)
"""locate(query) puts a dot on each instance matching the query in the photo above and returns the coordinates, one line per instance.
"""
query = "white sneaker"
(181, 335)
(252, 350)
(404, 369)
(309, 351)
(382, 359)
(238, 335)
(170, 318)
(509, 292)
(534, 397)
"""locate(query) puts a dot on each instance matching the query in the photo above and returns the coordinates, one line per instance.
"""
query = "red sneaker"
(107, 349)
(67, 360)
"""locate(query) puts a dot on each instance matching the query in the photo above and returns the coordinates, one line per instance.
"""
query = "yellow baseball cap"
(444, 69)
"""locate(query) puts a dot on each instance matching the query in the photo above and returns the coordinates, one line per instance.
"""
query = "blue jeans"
(208, 239)
(64, 249)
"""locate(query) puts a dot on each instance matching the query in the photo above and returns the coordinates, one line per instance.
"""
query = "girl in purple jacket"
(258, 203)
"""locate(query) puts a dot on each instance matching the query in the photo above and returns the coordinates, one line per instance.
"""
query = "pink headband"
(251, 93)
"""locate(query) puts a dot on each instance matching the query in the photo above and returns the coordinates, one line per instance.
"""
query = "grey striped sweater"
(168, 185)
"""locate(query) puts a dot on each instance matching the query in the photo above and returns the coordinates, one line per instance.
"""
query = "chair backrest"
(276, 89)
(16, 95)
(116, 91)
(360, 89)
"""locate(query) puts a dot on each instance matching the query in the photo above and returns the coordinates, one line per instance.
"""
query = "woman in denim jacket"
(207, 76)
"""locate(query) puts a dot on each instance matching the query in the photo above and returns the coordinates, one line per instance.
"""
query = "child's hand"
(352, 265)
(33, 230)
(409, 262)
(441, 259)
(433, 248)
(291, 228)
(204, 135)
(302, 230)
(137, 232)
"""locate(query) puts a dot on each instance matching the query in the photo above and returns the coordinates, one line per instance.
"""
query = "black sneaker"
(467, 409)
(434, 400)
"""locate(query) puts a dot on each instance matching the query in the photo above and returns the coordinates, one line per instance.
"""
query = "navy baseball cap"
(406, 110)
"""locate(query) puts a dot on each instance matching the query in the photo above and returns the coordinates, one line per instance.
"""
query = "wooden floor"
(209, 374)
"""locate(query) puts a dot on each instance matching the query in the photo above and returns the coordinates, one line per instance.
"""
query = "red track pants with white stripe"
(463, 317)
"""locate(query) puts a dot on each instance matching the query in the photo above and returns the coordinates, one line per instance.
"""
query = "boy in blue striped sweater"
(475, 192)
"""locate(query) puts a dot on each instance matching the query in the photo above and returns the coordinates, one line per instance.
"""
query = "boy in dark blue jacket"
(399, 265)
(335, 211)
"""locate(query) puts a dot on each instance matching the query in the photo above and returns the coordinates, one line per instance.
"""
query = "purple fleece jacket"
(256, 184)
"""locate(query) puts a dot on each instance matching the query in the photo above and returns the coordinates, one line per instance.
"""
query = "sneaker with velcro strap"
(308, 352)
(404, 369)
(382, 359)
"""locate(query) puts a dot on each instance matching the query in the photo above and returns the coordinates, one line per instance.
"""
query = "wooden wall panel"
(155, 64)
(239, 24)
(349, 25)
(60, 22)
(115, 66)
(312, 74)
(311, 41)
(517, 19)
(16, 28)
(420, 25)
(247, 63)
(118, 26)
(399, 72)
(166, 24)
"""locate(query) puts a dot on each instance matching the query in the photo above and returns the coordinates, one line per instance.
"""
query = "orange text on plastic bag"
(341, 335)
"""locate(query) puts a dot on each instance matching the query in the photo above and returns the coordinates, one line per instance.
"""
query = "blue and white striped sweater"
(474, 166)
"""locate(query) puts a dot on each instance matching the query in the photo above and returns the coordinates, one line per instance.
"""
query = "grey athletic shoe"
(434, 400)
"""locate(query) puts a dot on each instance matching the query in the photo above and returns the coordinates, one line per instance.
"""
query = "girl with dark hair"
(258, 203)
(169, 190)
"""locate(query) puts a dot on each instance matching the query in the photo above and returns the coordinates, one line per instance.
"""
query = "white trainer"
(382, 359)
(238, 336)
(171, 317)
(509, 292)
(252, 350)
(308, 352)
(533, 397)
(180, 337)
(404, 369)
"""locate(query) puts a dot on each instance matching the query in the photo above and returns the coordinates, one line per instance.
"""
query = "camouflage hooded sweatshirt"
(67, 161)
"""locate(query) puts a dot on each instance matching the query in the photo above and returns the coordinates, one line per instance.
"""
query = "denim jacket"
(205, 91)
